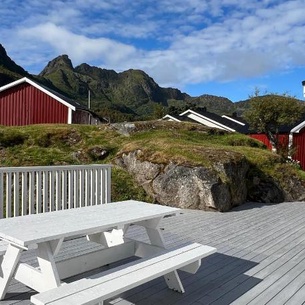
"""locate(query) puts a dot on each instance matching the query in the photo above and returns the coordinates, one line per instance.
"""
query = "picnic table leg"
(173, 281)
(45, 257)
(156, 238)
(8, 266)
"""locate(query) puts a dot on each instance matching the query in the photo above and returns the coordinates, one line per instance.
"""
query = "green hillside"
(160, 142)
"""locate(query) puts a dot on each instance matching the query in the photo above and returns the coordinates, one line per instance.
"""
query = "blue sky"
(221, 47)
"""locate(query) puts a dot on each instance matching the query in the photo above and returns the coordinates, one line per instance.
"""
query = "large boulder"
(191, 187)
(194, 187)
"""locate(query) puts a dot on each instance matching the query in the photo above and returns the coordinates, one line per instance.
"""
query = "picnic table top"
(31, 229)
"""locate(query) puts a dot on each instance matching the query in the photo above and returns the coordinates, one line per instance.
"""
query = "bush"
(10, 139)
(123, 187)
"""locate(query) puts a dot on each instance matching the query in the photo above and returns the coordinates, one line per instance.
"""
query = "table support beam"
(8, 266)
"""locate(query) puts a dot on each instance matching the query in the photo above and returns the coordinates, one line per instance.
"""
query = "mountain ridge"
(127, 95)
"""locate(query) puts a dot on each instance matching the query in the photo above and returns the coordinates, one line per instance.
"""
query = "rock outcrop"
(225, 185)
(219, 188)
(62, 62)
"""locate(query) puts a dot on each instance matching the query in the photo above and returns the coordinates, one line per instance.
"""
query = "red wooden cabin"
(25, 102)
(293, 138)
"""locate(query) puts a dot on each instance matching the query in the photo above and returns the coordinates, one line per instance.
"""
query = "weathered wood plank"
(259, 259)
(268, 245)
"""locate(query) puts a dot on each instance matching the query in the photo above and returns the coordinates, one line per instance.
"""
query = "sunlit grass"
(159, 142)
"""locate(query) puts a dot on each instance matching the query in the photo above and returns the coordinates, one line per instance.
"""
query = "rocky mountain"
(132, 91)
(128, 95)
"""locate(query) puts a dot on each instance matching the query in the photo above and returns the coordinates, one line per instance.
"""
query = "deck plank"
(260, 258)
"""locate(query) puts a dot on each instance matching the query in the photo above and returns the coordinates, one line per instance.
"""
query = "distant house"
(283, 137)
(209, 119)
(289, 136)
(176, 118)
(292, 137)
(26, 102)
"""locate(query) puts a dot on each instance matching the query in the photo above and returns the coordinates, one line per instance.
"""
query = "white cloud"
(175, 41)
(78, 47)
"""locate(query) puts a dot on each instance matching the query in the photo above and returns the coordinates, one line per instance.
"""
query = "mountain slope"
(216, 104)
(132, 89)
(128, 95)
(9, 70)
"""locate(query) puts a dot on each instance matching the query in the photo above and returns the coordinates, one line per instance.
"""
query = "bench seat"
(104, 285)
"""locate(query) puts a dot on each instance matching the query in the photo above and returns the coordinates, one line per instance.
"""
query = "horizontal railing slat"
(51, 168)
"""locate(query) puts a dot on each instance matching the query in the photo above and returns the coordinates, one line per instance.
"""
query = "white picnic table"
(105, 224)
(48, 231)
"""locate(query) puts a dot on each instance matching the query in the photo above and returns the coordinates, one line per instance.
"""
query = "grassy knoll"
(161, 142)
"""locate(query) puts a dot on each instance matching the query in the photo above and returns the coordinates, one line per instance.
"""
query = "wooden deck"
(260, 259)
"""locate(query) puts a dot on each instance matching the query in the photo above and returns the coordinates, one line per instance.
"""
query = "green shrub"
(123, 187)
(10, 139)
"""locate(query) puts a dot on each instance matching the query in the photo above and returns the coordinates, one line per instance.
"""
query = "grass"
(160, 142)
(199, 146)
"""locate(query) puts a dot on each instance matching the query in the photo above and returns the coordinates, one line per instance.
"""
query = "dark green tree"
(269, 112)
(159, 111)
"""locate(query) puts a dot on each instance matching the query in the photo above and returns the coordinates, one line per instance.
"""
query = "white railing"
(40, 189)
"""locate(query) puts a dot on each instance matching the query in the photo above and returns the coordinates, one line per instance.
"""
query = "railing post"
(31, 192)
(16, 194)
(108, 185)
(8, 193)
(24, 193)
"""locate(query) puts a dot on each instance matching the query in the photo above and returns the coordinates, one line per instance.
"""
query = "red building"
(290, 137)
(294, 138)
(282, 138)
(25, 102)
(298, 142)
